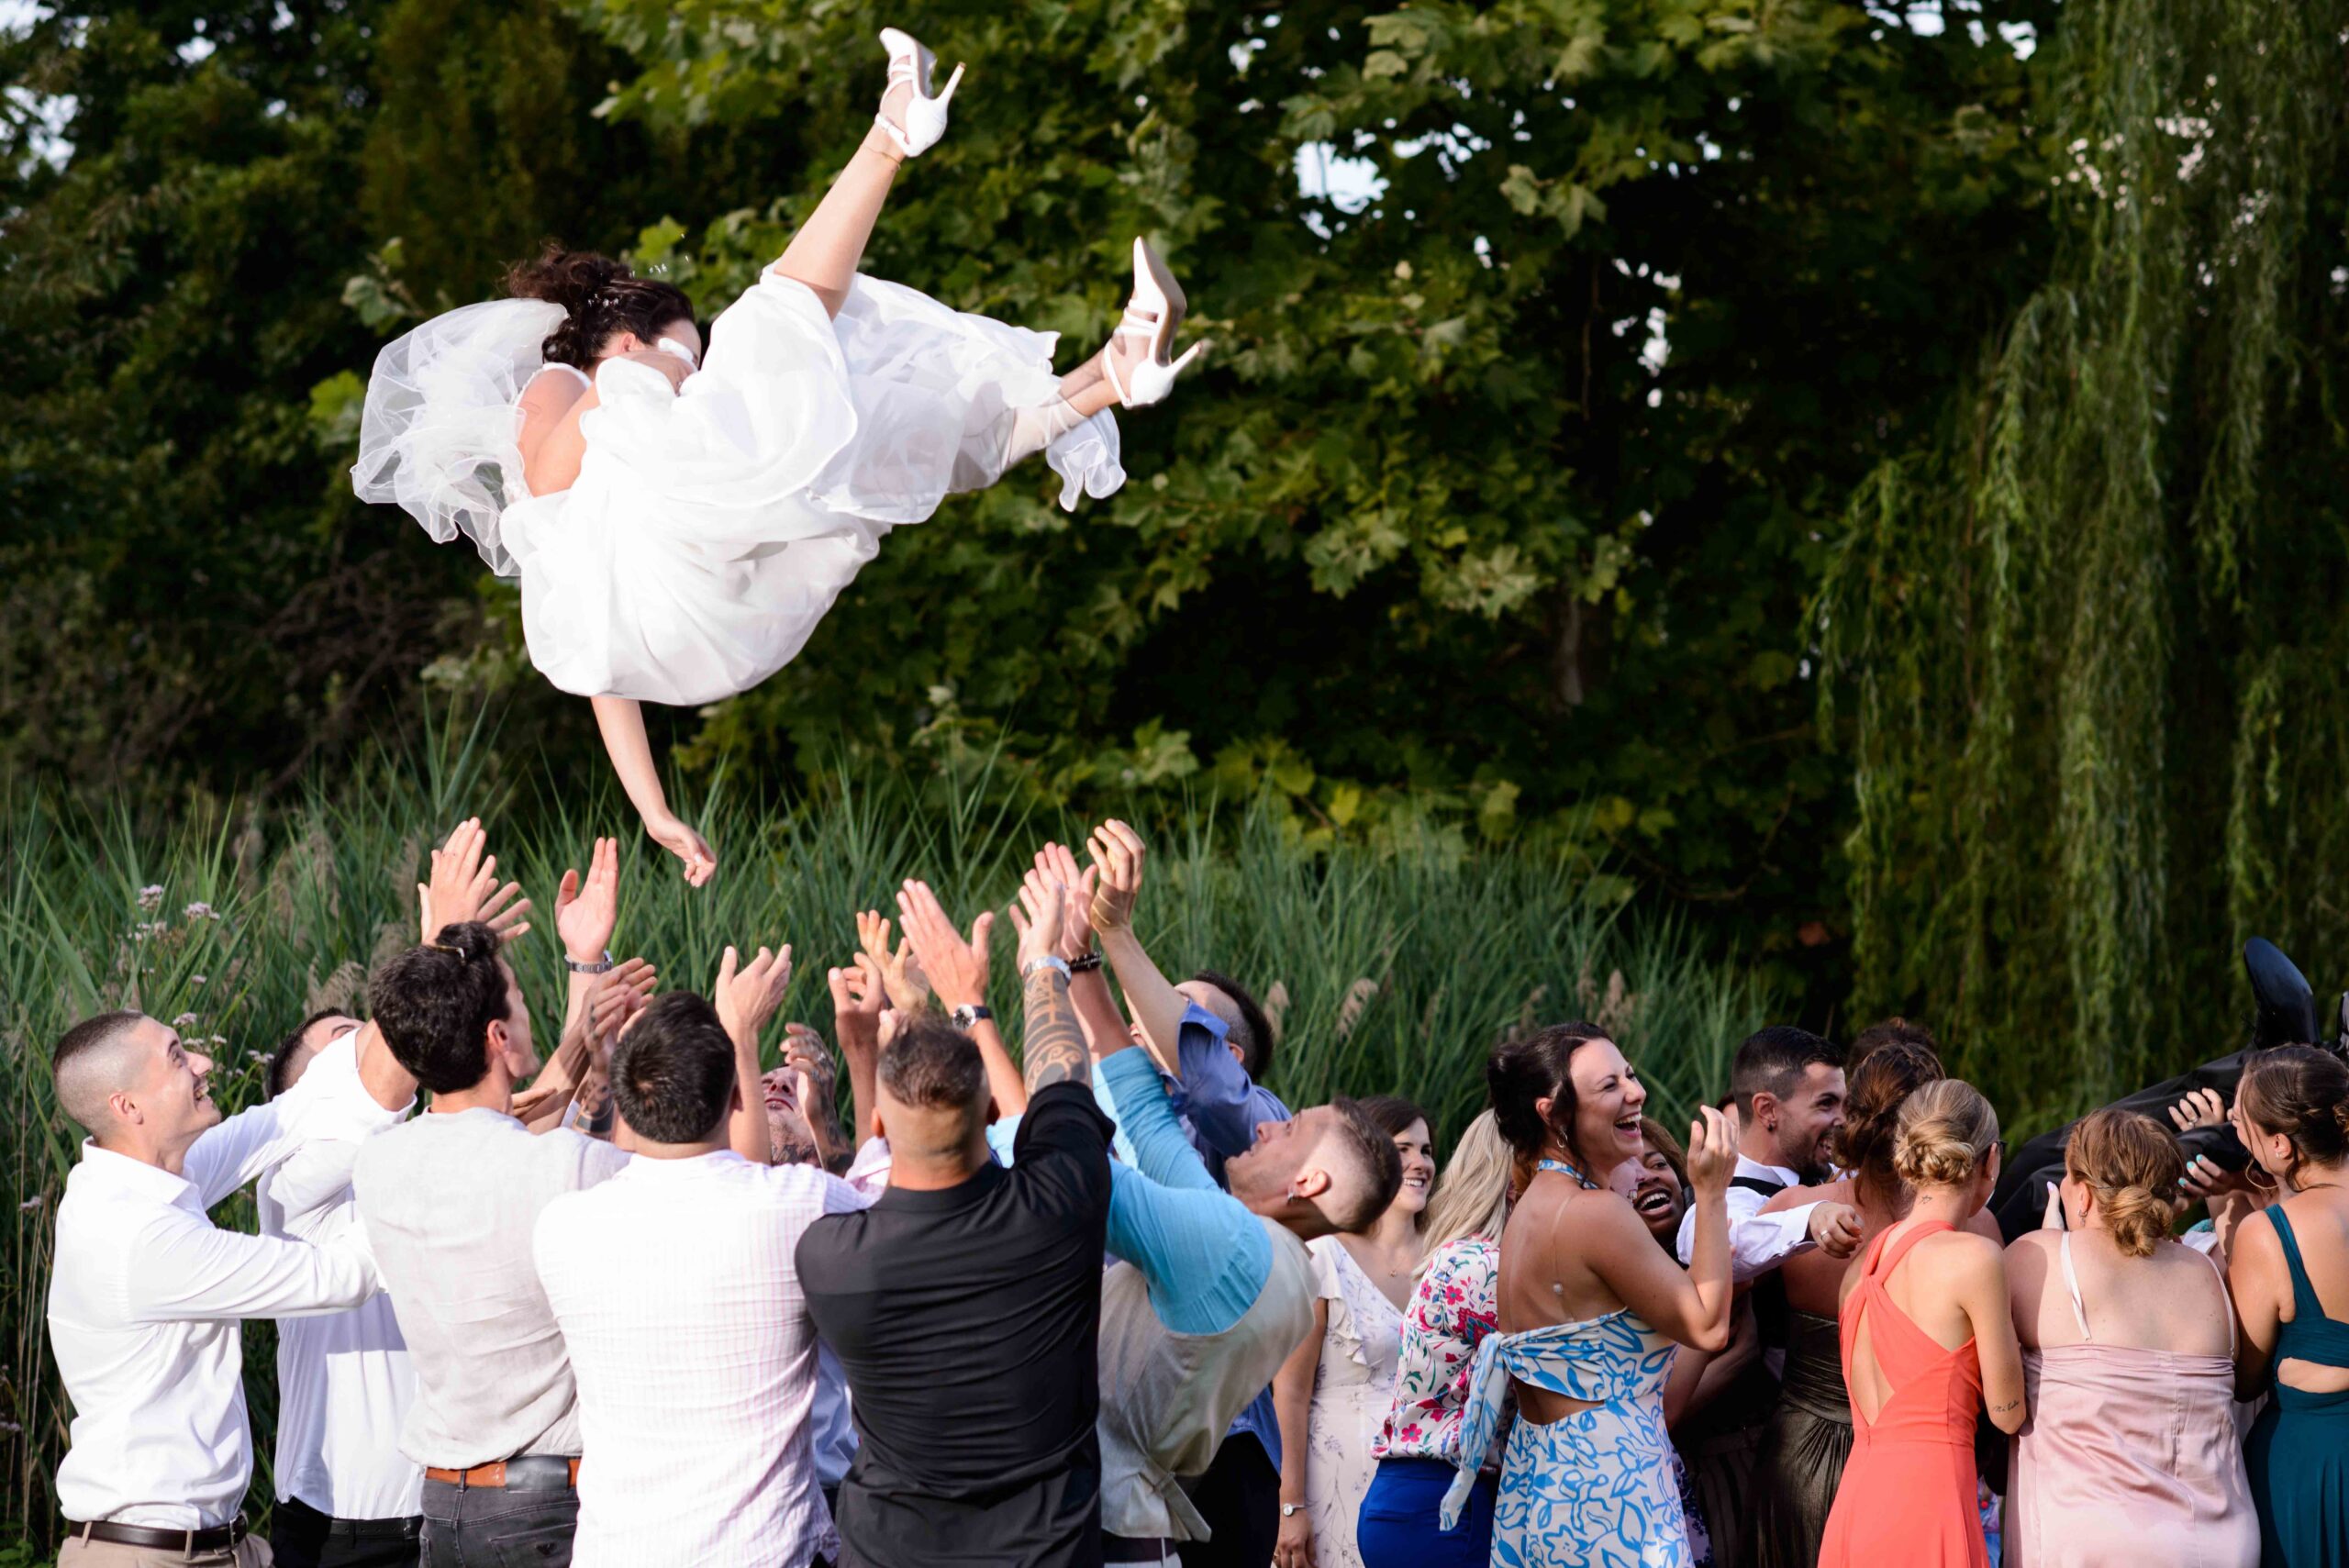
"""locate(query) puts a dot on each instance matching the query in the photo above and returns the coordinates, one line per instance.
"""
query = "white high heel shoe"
(910, 62)
(1152, 314)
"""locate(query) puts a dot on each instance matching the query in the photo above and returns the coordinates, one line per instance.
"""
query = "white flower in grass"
(185, 1021)
(27, 1206)
(150, 897)
(199, 910)
(195, 978)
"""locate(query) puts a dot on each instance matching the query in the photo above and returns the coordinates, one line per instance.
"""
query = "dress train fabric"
(712, 526)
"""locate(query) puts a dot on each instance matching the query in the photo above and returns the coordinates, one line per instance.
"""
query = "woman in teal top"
(2292, 1112)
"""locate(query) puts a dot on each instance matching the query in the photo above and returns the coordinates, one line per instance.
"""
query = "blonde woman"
(2128, 1366)
(1452, 1309)
(1333, 1395)
(1928, 1340)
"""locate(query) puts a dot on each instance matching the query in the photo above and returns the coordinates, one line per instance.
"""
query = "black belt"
(187, 1542)
(1135, 1549)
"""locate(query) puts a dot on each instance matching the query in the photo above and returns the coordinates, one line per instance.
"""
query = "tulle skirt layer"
(712, 527)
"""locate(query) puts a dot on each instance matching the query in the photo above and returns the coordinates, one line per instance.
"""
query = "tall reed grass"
(1389, 968)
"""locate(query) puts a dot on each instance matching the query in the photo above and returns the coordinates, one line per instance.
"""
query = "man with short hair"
(346, 1497)
(1213, 1043)
(964, 1303)
(1213, 1292)
(1788, 1086)
(675, 1286)
(146, 1294)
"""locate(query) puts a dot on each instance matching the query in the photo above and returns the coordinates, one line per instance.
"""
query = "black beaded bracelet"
(1085, 965)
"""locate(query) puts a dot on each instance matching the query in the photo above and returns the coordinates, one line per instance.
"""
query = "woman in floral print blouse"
(1452, 1309)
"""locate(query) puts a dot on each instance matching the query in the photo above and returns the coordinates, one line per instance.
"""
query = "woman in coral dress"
(1927, 1339)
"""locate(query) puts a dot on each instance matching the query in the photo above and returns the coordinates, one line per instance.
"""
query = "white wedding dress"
(712, 525)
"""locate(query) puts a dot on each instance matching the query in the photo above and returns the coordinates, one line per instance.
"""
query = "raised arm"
(857, 1002)
(958, 968)
(1089, 985)
(748, 997)
(621, 719)
(1162, 1153)
(1117, 856)
(1693, 1308)
(1053, 1050)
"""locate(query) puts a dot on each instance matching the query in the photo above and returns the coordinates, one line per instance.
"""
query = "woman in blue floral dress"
(1591, 1314)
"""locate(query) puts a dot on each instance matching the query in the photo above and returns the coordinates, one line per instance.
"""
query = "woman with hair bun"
(680, 522)
(1928, 1340)
(1591, 1313)
(2131, 1456)
(2289, 1274)
(1807, 1439)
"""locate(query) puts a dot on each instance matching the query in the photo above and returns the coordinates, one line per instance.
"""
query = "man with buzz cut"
(147, 1296)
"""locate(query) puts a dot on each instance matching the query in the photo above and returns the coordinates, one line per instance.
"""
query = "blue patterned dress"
(1597, 1488)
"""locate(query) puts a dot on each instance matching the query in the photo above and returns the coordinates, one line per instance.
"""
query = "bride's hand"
(678, 837)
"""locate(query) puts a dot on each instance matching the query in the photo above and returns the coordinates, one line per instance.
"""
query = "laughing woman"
(1591, 1313)
(1333, 1395)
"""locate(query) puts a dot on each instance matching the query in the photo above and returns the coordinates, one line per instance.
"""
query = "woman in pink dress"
(1928, 1340)
(2131, 1458)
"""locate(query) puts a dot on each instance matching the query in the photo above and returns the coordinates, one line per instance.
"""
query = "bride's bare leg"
(622, 721)
(826, 252)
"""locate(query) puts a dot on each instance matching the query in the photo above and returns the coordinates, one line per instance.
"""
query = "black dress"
(1804, 1446)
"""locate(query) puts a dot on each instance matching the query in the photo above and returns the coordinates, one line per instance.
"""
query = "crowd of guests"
(1112, 1302)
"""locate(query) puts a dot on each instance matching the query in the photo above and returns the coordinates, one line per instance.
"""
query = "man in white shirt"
(346, 1497)
(451, 1201)
(1788, 1086)
(146, 1296)
(675, 1286)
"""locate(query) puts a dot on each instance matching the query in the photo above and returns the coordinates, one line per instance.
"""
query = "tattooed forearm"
(1054, 1051)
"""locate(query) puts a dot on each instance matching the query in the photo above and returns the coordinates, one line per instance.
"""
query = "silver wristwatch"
(606, 967)
(1288, 1508)
(967, 1018)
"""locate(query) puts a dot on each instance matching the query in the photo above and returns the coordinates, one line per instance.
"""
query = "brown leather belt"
(187, 1542)
(492, 1474)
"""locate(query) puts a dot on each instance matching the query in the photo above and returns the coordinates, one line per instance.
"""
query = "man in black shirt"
(965, 1305)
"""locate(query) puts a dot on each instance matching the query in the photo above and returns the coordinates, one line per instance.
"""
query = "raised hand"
(1039, 915)
(858, 998)
(586, 910)
(1054, 863)
(750, 994)
(465, 887)
(2203, 1107)
(901, 973)
(617, 996)
(809, 1063)
(1713, 1153)
(956, 965)
(1117, 856)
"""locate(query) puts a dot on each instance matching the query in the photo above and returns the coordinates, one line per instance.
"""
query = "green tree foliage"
(2086, 639)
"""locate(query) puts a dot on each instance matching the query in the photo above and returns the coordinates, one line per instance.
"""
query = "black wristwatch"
(966, 1018)
(1085, 965)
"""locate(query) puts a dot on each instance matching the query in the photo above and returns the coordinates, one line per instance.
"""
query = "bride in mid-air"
(679, 519)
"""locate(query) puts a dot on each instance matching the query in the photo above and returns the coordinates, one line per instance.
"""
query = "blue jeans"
(494, 1527)
(1398, 1527)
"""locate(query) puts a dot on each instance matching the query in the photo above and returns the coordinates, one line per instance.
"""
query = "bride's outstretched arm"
(622, 721)
(826, 252)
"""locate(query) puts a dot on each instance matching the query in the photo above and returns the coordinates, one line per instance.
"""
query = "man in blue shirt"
(1212, 1044)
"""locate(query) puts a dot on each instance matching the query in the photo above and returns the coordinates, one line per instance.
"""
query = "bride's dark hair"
(603, 297)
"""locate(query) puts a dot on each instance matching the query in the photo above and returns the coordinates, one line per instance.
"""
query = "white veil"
(438, 428)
